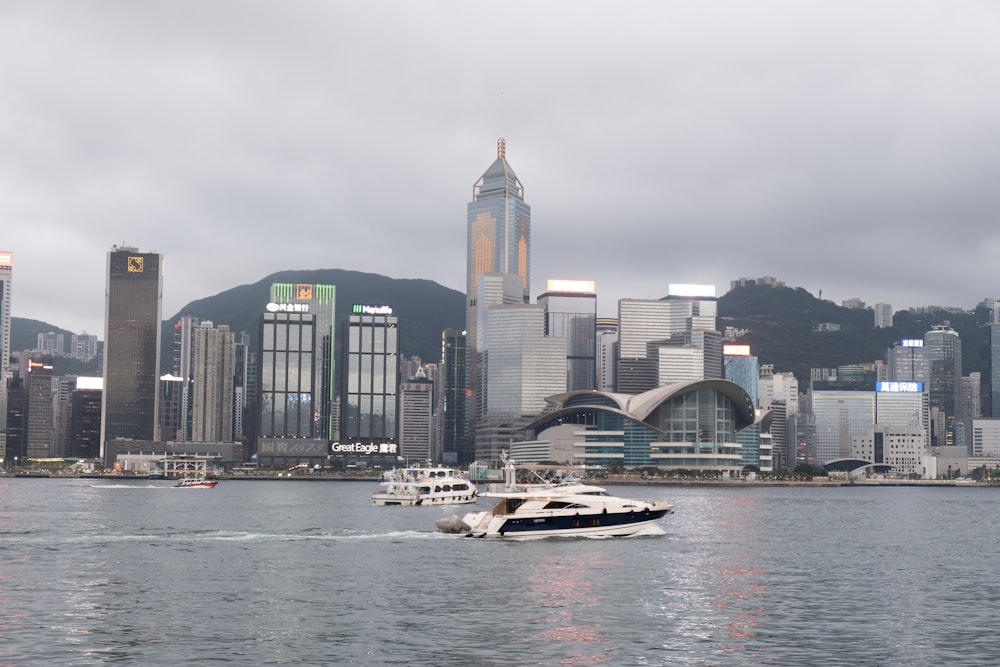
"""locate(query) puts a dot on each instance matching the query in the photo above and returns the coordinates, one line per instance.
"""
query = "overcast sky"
(848, 147)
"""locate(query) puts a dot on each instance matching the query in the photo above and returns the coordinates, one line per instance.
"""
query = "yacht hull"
(591, 524)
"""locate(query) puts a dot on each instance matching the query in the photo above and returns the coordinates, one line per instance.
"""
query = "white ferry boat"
(417, 485)
(539, 508)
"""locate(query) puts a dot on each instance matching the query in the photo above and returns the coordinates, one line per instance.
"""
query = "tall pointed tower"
(499, 241)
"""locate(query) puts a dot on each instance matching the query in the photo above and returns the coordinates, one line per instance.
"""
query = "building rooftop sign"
(361, 309)
(900, 387)
(287, 307)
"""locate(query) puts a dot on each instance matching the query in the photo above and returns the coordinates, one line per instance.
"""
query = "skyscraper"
(492, 289)
(457, 444)
(571, 313)
(39, 427)
(14, 418)
(171, 413)
(212, 366)
(244, 384)
(968, 407)
(842, 411)
(607, 349)
(908, 362)
(85, 419)
(499, 239)
(371, 379)
(416, 412)
(742, 368)
(944, 352)
(320, 301)
(288, 341)
(182, 356)
(6, 273)
(992, 398)
(521, 368)
(133, 298)
(646, 327)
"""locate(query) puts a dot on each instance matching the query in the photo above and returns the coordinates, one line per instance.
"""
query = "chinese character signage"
(287, 307)
(900, 387)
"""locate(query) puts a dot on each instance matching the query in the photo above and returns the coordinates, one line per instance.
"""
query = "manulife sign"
(360, 309)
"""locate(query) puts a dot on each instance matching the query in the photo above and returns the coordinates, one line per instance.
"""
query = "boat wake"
(344, 536)
(119, 485)
(191, 538)
(651, 531)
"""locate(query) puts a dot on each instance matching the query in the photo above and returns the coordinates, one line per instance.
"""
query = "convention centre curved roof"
(640, 406)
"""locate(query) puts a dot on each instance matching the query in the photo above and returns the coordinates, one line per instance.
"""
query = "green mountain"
(424, 308)
(783, 327)
(24, 333)
(24, 336)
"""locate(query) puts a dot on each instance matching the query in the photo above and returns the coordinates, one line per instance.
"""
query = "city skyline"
(828, 145)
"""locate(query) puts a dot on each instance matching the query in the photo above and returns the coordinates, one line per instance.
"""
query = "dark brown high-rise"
(133, 298)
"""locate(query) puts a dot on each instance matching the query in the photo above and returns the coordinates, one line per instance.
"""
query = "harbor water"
(97, 572)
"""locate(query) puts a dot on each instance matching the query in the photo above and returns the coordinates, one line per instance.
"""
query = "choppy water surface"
(309, 573)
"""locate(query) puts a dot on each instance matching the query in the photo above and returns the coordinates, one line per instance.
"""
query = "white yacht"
(425, 486)
(539, 508)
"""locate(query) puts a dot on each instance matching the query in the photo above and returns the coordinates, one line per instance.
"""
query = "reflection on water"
(717, 592)
(12, 618)
(570, 593)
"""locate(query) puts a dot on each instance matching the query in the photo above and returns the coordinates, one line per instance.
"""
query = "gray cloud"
(847, 147)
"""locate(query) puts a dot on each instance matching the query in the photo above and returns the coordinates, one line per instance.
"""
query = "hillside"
(424, 307)
(24, 333)
(24, 336)
(782, 322)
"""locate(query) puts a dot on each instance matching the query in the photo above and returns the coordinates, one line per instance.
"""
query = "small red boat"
(196, 483)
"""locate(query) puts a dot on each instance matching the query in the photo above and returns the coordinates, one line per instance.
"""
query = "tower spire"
(501, 142)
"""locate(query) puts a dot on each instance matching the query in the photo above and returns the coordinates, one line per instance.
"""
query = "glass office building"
(571, 313)
(743, 368)
(498, 242)
(288, 343)
(6, 272)
(320, 301)
(521, 366)
(944, 354)
(457, 444)
(370, 382)
(842, 411)
(132, 315)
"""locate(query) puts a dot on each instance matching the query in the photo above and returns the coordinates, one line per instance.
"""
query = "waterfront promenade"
(610, 480)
